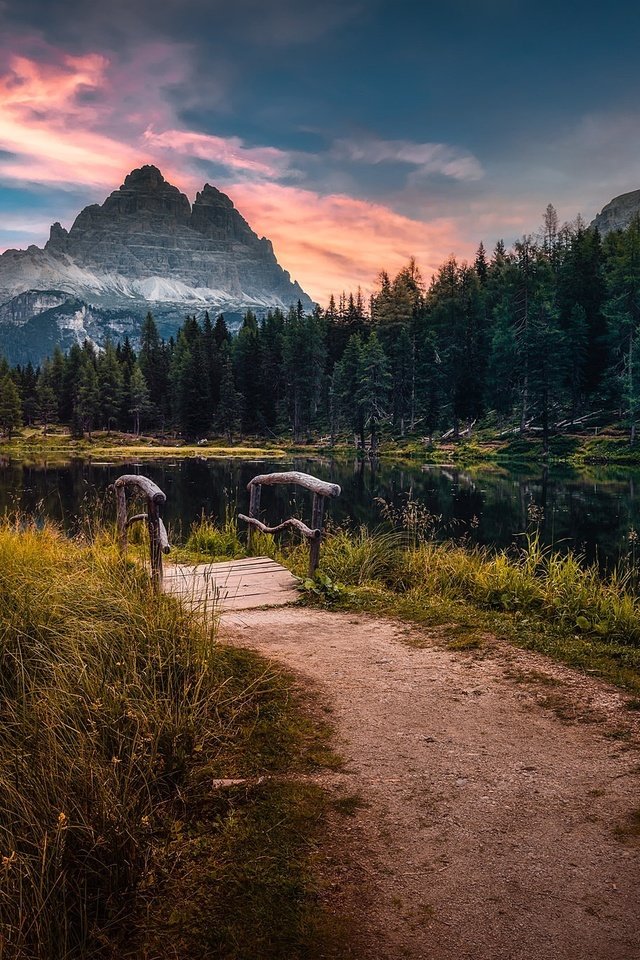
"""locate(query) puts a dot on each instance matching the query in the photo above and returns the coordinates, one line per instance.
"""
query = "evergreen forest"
(532, 338)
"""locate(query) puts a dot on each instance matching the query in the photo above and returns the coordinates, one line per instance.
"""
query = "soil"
(498, 810)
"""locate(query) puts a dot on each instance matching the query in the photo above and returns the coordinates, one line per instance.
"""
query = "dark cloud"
(216, 23)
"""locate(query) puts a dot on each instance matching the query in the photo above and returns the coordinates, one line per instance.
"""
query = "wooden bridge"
(210, 588)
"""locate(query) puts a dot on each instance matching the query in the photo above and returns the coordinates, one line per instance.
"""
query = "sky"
(353, 133)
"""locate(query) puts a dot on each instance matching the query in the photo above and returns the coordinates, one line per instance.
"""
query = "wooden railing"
(158, 540)
(321, 491)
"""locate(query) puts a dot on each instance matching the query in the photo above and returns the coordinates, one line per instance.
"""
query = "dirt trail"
(499, 788)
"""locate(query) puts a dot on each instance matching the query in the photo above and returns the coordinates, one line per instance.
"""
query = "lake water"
(593, 512)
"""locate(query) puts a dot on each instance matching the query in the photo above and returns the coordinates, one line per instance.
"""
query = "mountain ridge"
(146, 247)
(618, 213)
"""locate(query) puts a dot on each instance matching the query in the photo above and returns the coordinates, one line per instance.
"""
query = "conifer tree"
(10, 406)
(87, 405)
(139, 397)
(46, 395)
(623, 310)
(229, 407)
(374, 381)
(110, 385)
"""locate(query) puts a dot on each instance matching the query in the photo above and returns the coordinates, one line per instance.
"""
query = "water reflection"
(592, 511)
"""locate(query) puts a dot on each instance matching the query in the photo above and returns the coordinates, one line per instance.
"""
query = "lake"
(593, 512)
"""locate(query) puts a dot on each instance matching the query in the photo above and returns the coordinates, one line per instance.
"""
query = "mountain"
(618, 213)
(145, 248)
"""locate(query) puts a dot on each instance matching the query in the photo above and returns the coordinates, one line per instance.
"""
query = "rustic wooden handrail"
(321, 491)
(158, 538)
(321, 487)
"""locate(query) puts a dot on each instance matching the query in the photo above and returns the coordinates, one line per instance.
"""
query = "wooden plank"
(229, 575)
(231, 585)
(248, 563)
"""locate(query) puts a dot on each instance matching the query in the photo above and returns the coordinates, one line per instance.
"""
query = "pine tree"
(10, 406)
(153, 364)
(190, 381)
(548, 356)
(345, 383)
(623, 310)
(229, 406)
(46, 396)
(87, 406)
(501, 371)
(481, 265)
(139, 397)
(374, 381)
(110, 385)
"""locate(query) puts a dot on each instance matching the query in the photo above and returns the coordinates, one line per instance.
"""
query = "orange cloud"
(46, 126)
(231, 152)
(55, 133)
(332, 243)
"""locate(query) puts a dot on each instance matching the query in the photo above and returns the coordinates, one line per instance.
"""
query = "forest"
(534, 337)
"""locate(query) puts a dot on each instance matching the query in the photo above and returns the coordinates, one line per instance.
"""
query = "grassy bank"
(58, 445)
(536, 598)
(117, 714)
(487, 444)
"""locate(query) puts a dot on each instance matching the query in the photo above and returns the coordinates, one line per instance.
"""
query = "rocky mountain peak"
(618, 213)
(146, 248)
(211, 196)
(145, 192)
(147, 177)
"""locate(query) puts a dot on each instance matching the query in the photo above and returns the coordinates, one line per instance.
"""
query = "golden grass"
(116, 709)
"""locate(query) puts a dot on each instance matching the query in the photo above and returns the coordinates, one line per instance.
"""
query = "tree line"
(536, 335)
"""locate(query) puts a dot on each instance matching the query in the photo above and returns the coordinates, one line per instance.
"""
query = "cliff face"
(618, 213)
(146, 248)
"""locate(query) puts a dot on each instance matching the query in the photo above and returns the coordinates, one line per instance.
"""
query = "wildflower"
(632, 536)
(7, 861)
(62, 820)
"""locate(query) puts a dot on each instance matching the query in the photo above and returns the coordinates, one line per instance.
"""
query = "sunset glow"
(339, 204)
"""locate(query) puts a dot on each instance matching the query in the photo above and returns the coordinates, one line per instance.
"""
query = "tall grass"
(107, 696)
(219, 540)
(408, 557)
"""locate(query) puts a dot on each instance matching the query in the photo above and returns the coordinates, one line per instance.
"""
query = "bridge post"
(317, 516)
(153, 524)
(158, 539)
(321, 492)
(121, 518)
(254, 508)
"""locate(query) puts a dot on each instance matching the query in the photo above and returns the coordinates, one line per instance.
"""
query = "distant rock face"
(146, 248)
(618, 213)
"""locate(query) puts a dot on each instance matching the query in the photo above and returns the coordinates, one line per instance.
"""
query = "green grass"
(533, 597)
(117, 710)
(31, 443)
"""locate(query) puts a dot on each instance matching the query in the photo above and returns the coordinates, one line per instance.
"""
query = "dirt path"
(499, 792)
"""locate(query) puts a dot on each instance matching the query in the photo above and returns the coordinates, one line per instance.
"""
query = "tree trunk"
(374, 437)
(413, 385)
(545, 422)
(632, 406)
(525, 403)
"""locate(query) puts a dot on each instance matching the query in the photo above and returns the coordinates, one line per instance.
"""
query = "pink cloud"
(231, 152)
(89, 120)
(331, 243)
(47, 125)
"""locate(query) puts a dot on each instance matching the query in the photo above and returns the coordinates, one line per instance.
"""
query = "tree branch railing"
(142, 487)
(321, 492)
